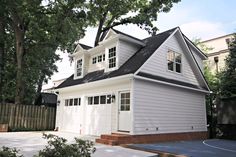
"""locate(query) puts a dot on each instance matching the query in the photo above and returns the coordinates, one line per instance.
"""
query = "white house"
(134, 87)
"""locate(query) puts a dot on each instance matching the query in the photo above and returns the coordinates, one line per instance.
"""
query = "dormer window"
(79, 67)
(100, 58)
(112, 57)
(94, 61)
(174, 61)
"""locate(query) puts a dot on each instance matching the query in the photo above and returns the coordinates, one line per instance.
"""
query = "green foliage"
(228, 75)
(204, 48)
(57, 146)
(45, 26)
(110, 13)
(9, 152)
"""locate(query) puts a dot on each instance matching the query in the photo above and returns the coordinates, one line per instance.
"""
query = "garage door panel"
(98, 119)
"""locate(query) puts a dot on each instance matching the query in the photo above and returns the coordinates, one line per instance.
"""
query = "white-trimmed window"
(125, 101)
(79, 67)
(94, 60)
(112, 57)
(73, 102)
(103, 57)
(100, 58)
(174, 61)
(100, 99)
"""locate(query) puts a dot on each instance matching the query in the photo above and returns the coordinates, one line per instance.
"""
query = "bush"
(58, 147)
(9, 152)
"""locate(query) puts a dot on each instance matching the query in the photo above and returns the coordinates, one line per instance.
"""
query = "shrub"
(58, 147)
(9, 152)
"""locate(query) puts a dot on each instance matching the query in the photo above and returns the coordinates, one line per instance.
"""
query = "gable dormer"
(109, 55)
(119, 47)
(80, 57)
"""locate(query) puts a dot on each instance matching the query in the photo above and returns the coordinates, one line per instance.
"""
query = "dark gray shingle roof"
(129, 67)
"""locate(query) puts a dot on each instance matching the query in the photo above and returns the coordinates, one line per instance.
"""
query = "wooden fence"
(27, 117)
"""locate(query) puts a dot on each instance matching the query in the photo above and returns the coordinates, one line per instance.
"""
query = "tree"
(228, 75)
(107, 14)
(2, 48)
(41, 28)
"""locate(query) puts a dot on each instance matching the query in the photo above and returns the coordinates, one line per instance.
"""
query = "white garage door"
(71, 120)
(98, 115)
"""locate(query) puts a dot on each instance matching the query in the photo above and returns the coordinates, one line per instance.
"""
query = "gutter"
(99, 82)
(170, 84)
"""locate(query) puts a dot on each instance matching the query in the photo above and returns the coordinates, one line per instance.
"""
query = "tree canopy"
(34, 31)
(228, 75)
(110, 13)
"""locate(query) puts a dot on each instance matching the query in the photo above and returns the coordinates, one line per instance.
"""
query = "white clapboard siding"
(157, 64)
(125, 51)
(166, 109)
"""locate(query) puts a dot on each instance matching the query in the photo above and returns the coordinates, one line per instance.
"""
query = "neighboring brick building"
(219, 52)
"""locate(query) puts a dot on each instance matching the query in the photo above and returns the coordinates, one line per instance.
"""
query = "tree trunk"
(2, 47)
(19, 73)
(19, 33)
(39, 86)
(99, 32)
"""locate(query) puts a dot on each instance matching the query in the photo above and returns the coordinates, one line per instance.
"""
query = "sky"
(204, 19)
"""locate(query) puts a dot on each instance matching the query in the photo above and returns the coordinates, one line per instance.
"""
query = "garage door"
(71, 120)
(98, 115)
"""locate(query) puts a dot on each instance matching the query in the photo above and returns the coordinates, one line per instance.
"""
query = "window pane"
(170, 56)
(71, 102)
(171, 65)
(103, 99)
(79, 67)
(112, 57)
(177, 58)
(178, 67)
(75, 101)
(66, 102)
(103, 57)
(94, 60)
(96, 100)
(90, 100)
(79, 101)
(100, 58)
(108, 99)
(122, 108)
(122, 95)
(127, 107)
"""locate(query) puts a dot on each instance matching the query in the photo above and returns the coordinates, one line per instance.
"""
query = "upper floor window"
(112, 57)
(79, 67)
(100, 58)
(94, 60)
(174, 61)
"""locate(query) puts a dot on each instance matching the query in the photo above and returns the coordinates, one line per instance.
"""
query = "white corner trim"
(197, 49)
(146, 62)
(170, 84)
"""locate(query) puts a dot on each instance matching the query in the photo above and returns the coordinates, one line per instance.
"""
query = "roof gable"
(157, 64)
(129, 67)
